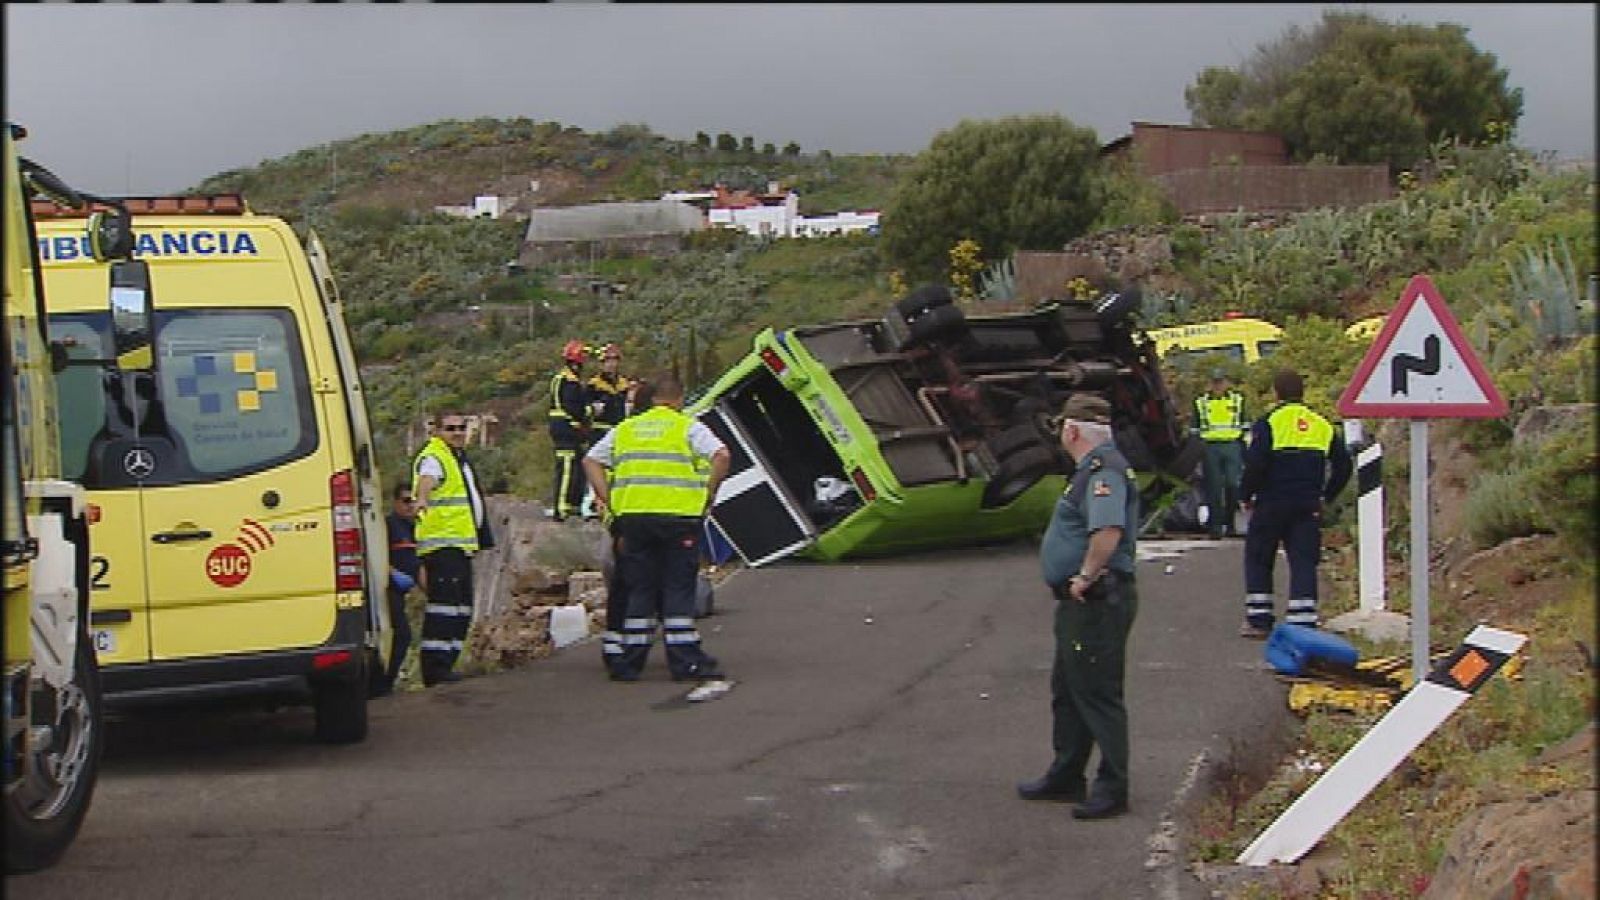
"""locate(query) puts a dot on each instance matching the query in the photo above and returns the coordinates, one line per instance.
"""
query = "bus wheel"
(923, 299)
(341, 706)
(1015, 438)
(1017, 473)
(46, 809)
(939, 324)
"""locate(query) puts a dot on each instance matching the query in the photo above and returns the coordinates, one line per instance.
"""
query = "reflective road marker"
(1457, 677)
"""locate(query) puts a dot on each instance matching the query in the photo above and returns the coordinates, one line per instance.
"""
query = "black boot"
(1101, 806)
(1053, 786)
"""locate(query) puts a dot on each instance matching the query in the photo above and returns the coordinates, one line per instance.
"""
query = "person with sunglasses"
(404, 568)
(450, 522)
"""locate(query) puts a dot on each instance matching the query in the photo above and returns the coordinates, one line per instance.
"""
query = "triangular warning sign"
(1420, 366)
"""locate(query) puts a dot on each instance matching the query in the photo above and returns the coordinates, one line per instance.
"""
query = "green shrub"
(1500, 506)
(1561, 482)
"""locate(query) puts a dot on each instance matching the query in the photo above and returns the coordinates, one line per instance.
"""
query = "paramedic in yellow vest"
(450, 518)
(1219, 421)
(608, 402)
(1296, 463)
(664, 471)
(569, 429)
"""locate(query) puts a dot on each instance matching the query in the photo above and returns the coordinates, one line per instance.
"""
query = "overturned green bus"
(927, 428)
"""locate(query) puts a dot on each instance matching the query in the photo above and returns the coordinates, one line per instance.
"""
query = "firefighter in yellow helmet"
(608, 403)
(569, 429)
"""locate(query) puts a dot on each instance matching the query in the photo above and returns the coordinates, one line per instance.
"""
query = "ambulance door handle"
(173, 537)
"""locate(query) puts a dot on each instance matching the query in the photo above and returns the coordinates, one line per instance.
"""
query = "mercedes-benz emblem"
(139, 463)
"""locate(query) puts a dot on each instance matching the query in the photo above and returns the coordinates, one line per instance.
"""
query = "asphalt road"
(883, 713)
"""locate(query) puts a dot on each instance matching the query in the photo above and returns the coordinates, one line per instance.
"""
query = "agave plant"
(998, 284)
(1546, 288)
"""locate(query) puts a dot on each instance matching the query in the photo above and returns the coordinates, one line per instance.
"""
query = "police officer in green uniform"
(1087, 558)
(1219, 421)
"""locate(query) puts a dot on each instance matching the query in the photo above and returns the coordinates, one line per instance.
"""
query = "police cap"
(1086, 408)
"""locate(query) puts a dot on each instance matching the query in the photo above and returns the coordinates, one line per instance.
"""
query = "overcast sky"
(153, 98)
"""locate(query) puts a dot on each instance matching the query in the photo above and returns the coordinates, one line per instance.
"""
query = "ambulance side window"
(81, 389)
(234, 389)
(1266, 348)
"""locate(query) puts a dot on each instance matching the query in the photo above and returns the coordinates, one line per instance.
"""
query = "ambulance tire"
(938, 324)
(1016, 474)
(924, 298)
(36, 841)
(341, 708)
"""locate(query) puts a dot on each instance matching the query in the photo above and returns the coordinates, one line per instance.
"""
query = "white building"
(484, 206)
(837, 223)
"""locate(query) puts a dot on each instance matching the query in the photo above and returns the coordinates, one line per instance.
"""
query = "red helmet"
(611, 351)
(573, 352)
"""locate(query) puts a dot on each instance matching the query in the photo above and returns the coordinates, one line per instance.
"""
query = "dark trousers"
(1086, 703)
(402, 635)
(1224, 468)
(1298, 528)
(616, 609)
(449, 615)
(568, 483)
(659, 562)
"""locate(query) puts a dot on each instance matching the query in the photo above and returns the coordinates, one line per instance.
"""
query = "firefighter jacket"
(569, 401)
(608, 398)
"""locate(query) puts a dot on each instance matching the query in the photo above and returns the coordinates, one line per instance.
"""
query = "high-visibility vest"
(653, 467)
(1295, 427)
(1221, 418)
(447, 520)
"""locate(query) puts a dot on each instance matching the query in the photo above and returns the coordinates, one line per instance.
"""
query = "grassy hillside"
(450, 162)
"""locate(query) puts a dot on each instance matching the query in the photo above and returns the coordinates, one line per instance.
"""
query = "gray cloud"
(152, 98)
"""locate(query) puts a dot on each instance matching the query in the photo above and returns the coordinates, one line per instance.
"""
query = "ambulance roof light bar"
(194, 205)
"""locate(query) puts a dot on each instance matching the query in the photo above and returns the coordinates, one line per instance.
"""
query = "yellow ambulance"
(236, 508)
(1240, 338)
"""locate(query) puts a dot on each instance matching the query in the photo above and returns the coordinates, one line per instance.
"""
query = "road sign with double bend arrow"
(1420, 366)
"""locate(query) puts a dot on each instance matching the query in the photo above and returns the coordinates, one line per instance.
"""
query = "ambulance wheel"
(1017, 473)
(923, 299)
(341, 707)
(46, 809)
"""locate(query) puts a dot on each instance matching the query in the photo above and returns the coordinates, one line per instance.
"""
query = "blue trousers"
(659, 563)
(1298, 529)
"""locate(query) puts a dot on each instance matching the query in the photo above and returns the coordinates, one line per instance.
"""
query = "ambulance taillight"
(348, 563)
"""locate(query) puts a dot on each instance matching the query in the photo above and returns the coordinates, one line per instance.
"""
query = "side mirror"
(130, 314)
(110, 236)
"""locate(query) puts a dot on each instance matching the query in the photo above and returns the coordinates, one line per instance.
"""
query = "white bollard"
(1369, 526)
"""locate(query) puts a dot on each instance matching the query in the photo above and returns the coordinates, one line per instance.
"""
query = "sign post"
(1420, 367)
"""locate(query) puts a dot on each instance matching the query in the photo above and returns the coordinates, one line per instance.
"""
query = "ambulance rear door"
(369, 500)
